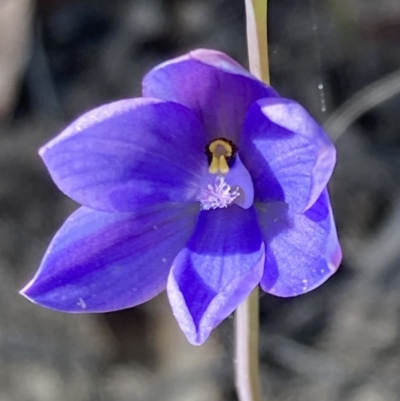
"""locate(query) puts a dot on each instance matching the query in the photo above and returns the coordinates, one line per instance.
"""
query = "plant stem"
(247, 319)
(247, 326)
(257, 38)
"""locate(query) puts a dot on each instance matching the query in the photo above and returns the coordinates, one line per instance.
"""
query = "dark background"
(59, 58)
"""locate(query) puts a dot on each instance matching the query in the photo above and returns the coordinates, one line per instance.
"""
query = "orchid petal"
(213, 85)
(100, 262)
(287, 153)
(128, 154)
(219, 267)
(302, 250)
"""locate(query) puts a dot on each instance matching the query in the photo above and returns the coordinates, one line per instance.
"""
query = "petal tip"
(26, 293)
(336, 259)
(193, 332)
(198, 338)
(42, 151)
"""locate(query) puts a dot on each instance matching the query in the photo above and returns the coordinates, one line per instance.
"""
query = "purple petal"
(101, 262)
(302, 250)
(209, 82)
(287, 153)
(129, 153)
(221, 264)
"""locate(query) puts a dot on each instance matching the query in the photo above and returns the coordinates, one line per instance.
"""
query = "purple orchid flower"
(208, 186)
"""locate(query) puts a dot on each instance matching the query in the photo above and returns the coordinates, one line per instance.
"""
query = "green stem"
(257, 39)
(247, 319)
(247, 370)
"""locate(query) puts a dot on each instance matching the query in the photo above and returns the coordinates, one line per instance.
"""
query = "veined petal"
(302, 250)
(100, 262)
(128, 154)
(213, 85)
(221, 264)
(288, 155)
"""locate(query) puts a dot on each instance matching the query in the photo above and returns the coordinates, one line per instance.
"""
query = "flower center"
(226, 180)
(219, 194)
(221, 155)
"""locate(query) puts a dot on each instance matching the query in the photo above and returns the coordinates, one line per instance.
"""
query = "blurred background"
(341, 59)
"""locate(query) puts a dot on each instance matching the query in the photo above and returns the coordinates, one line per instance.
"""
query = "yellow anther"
(219, 142)
(214, 165)
(223, 165)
